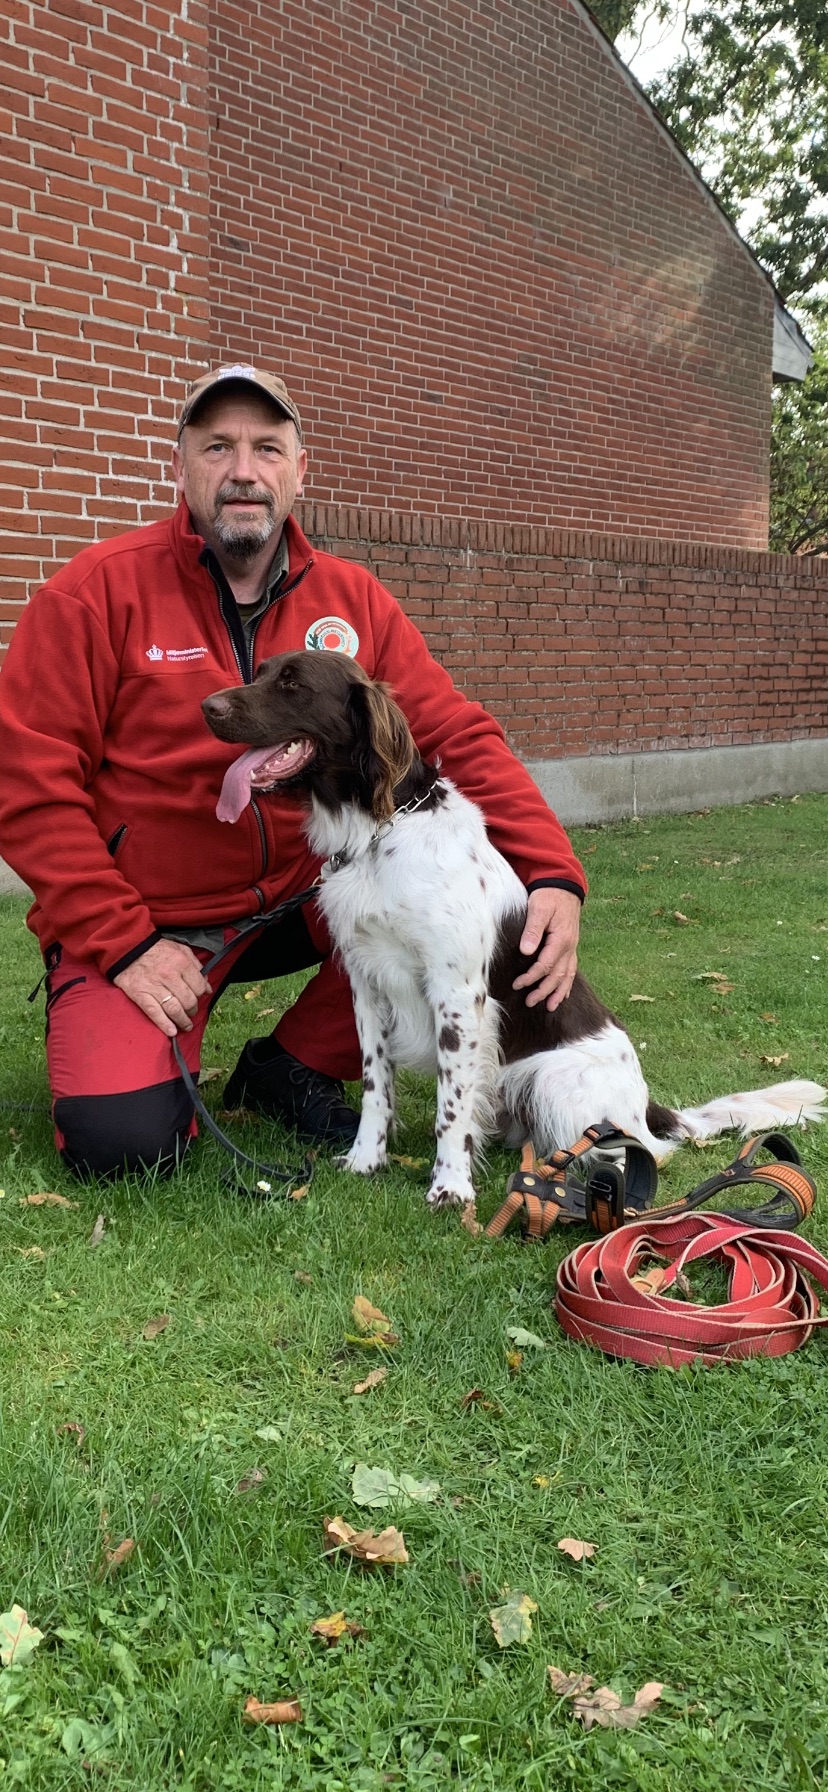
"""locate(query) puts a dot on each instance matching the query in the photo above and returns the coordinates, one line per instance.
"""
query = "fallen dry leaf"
(572, 1546)
(301, 1275)
(605, 1708)
(154, 1327)
(767, 1016)
(678, 916)
(408, 1163)
(782, 1059)
(336, 1626)
(18, 1638)
(33, 1251)
(476, 1397)
(512, 1621)
(97, 1234)
(514, 1358)
(383, 1550)
(374, 1327)
(48, 1200)
(251, 994)
(253, 1478)
(113, 1559)
(72, 1429)
(285, 1711)
(212, 1075)
(261, 1012)
(469, 1220)
(641, 998)
(723, 988)
(568, 1686)
(376, 1377)
(709, 976)
(298, 1194)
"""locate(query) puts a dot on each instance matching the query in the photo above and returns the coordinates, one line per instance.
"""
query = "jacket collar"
(188, 545)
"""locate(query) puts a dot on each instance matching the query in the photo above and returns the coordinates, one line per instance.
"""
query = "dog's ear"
(384, 745)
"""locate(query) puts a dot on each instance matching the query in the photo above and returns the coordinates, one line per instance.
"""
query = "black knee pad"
(143, 1129)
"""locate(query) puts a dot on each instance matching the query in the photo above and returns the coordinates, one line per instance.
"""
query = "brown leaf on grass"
(33, 1252)
(301, 1275)
(113, 1559)
(298, 1194)
(73, 1429)
(284, 1711)
(767, 1016)
(154, 1327)
(580, 1552)
(48, 1200)
(212, 1075)
(568, 1686)
(408, 1163)
(336, 1626)
(775, 1062)
(371, 1381)
(378, 1550)
(469, 1220)
(723, 988)
(476, 1397)
(373, 1327)
(261, 1012)
(251, 994)
(683, 920)
(514, 1358)
(253, 1478)
(641, 998)
(605, 1708)
(98, 1232)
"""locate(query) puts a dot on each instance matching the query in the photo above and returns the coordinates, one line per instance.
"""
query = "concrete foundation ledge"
(615, 786)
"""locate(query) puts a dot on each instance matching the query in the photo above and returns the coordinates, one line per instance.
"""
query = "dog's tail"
(753, 1110)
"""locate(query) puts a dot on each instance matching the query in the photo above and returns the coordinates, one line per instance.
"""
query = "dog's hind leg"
(461, 1023)
(370, 1147)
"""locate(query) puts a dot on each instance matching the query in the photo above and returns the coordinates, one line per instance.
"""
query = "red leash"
(607, 1298)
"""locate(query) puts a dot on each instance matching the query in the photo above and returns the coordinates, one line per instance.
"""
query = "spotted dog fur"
(427, 917)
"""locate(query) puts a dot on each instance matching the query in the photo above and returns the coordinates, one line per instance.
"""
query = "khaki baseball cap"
(242, 375)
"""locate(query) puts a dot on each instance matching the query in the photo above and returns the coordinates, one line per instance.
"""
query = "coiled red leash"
(611, 1294)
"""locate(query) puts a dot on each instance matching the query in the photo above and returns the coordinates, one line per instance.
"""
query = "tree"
(747, 98)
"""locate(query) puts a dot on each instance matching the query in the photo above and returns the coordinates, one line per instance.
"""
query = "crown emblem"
(155, 653)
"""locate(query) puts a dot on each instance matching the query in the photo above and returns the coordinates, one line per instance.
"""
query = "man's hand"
(553, 916)
(166, 983)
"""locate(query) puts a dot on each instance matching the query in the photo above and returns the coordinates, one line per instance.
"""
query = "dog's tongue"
(235, 791)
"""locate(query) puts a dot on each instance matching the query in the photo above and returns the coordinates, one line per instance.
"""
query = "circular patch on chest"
(330, 634)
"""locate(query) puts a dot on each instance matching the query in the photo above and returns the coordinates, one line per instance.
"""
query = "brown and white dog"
(427, 916)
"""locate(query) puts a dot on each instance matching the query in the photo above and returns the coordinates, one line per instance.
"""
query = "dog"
(426, 916)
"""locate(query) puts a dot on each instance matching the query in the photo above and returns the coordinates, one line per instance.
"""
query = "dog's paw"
(445, 1194)
(362, 1161)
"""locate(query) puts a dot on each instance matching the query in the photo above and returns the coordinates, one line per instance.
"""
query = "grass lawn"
(705, 1491)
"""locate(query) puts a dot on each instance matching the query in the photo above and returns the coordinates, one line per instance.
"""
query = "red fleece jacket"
(111, 776)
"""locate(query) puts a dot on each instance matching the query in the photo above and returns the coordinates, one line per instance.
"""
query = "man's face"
(239, 466)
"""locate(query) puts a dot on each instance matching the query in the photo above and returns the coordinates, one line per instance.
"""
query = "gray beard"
(243, 541)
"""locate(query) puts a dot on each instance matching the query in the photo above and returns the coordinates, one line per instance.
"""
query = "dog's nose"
(217, 707)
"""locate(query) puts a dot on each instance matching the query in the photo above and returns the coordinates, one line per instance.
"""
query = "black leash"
(267, 1174)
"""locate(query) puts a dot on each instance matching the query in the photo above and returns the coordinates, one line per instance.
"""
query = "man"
(111, 780)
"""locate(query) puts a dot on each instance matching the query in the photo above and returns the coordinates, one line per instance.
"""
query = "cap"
(269, 384)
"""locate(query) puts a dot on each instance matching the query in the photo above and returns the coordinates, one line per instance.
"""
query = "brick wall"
(494, 285)
(103, 284)
(591, 644)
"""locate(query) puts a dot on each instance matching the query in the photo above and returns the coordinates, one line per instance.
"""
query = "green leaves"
(512, 1621)
(381, 1487)
(524, 1340)
(18, 1638)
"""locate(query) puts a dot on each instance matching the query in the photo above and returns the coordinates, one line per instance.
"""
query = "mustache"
(251, 493)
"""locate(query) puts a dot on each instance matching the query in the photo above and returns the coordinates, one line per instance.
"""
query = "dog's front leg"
(370, 1147)
(459, 1026)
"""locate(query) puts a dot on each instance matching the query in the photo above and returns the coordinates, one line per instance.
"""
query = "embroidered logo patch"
(331, 635)
(176, 653)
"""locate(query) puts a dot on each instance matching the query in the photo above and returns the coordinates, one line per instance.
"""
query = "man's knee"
(140, 1130)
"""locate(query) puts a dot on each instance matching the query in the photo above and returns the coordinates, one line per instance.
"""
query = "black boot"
(269, 1080)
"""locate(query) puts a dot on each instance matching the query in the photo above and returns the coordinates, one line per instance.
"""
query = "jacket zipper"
(229, 612)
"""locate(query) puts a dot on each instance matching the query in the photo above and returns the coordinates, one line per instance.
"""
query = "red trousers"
(117, 1097)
